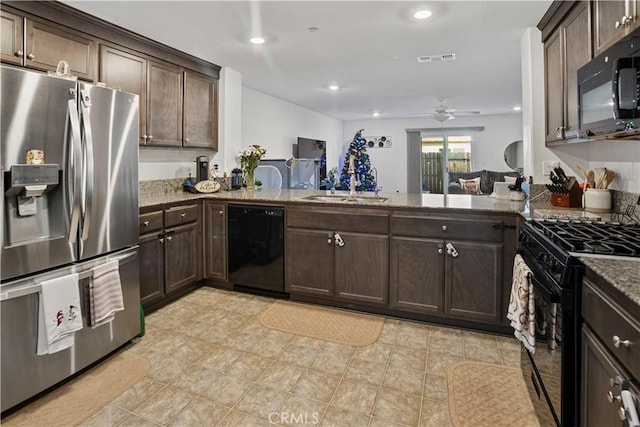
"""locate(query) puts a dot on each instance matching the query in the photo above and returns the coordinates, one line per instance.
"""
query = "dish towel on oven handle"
(522, 304)
(105, 293)
(59, 314)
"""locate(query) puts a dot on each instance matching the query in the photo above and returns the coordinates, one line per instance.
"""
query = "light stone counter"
(621, 274)
(394, 200)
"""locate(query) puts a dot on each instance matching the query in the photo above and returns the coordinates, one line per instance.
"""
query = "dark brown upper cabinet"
(164, 109)
(612, 20)
(11, 38)
(200, 128)
(42, 46)
(566, 48)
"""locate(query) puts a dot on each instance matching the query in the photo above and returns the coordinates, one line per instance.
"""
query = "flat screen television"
(315, 149)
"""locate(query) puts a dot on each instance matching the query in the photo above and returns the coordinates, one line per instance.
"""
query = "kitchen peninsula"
(420, 256)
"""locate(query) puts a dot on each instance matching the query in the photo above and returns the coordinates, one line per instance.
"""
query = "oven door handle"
(548, 294)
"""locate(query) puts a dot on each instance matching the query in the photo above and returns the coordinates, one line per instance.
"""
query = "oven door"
(543, 369)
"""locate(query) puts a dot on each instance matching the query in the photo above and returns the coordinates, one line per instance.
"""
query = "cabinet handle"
(18, 53)
(220, 213)
(31, 56)
(146, 223)
(183, 214)
(617, 341)
(329, 236)
(162, 240)
(622, 413)
(150, 137)
(169, 238)
(611, 398)
(451, 250)
(186, 140)
(444, 228)
(440, 250)
(338, 240)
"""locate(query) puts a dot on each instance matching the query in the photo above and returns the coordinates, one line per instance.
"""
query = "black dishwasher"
(256, 247)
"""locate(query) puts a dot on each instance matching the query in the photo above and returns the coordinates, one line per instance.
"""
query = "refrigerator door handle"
(85, 101)
(75, 160)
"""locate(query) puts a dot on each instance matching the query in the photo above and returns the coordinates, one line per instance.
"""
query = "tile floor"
(213, 364)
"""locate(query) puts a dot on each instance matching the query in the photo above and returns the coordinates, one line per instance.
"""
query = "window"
(439, 155)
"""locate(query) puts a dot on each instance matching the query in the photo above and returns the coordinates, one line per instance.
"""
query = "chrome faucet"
(352, 179)
(377, 189)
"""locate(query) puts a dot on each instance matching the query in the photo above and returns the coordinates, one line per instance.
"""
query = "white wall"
(276, 125)
(487, 151)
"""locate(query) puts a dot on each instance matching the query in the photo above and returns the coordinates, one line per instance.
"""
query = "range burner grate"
(593, 237)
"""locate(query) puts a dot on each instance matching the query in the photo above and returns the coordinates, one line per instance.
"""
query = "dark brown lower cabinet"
(170, 253)
(309, 263)
(417, 275)
(181, 256)
(151, 261)
(473, 281)
(599, 367)
(362, 268)
(215, 241)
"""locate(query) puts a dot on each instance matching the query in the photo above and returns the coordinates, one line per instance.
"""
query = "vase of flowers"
(249, 159)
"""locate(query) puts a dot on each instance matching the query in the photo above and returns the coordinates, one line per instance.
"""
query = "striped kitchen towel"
(522, 305)
(105, 293)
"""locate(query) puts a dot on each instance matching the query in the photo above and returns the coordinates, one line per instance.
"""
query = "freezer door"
(109, 121)
(24, 373)
(34, 112)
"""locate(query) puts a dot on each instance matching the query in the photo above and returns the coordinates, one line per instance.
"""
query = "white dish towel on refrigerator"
(59, 314)
(105, 293)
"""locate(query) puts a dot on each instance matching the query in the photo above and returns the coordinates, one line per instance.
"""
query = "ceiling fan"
(443, 113)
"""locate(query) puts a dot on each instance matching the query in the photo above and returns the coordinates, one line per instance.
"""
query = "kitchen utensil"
(591, 178)
(562, 177)
(605, 178)
(582, 171)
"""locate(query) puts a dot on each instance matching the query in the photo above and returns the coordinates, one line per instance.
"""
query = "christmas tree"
(361, 163)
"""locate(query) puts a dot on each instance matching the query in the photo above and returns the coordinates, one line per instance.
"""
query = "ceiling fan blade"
(461, 112)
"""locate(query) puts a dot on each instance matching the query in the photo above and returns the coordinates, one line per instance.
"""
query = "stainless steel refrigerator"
(75, 211)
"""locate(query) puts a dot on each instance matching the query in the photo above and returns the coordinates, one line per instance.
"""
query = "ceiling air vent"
(441, 57)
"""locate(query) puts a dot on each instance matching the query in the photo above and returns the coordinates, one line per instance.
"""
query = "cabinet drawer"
(609, 320)
(180, 215)
(445, 228)
(356, 222)
(149, 222)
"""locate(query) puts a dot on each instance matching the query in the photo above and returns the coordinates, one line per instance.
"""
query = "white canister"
(597, 200)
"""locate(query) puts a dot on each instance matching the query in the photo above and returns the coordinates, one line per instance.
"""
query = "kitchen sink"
(341, 198)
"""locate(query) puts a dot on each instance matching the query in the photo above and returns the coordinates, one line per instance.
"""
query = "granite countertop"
(624, 275)
(395, 200)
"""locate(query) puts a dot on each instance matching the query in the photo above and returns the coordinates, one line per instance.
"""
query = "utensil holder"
(597, 200)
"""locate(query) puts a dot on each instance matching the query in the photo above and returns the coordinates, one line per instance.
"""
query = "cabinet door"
(473, 281)
(180, 256)
(164, 109)
(309, 262)
(215, 241)
(47, 44)
(417, 275)
(200, 111)
(553, 86)
(11, 38)
(362, 268)
(577, 53)
(127, 72)
(598, 368)
(606, 14)
(151, 263)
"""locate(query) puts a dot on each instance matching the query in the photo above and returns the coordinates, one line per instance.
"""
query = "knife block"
(572, 199)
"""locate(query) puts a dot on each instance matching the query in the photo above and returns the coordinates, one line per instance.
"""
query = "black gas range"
(551, 249)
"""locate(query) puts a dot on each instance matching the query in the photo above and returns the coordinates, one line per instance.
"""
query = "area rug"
(80, 398)
(338, 326)
(482, 394)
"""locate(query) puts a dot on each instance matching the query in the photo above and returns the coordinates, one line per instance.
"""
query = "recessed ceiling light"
(422, 14)
(517, 108)
(256, 40)
(334, 87)
(375, 114)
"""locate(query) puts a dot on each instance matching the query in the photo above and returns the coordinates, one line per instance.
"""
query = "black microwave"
(609, 89)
